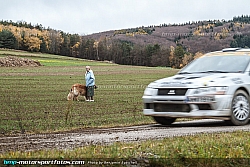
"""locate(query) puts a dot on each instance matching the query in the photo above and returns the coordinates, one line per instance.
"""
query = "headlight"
(218, 90)
(148, 91)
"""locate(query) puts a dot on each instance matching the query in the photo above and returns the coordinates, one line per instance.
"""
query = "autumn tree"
(74, 45)
(172, 58)
(187, 58)
(31, 40)
(176, 56)
(197, 55)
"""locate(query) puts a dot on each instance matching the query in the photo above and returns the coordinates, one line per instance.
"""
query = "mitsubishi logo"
(171, 92)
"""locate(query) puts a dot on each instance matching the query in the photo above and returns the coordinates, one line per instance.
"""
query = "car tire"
(164, 120)
(240, 108)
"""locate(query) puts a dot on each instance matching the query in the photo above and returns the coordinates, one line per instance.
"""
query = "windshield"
(229, 63)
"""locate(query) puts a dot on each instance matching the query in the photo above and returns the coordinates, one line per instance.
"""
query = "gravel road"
(69, 140)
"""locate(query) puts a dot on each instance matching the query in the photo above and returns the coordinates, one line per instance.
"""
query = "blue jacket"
(90, 78)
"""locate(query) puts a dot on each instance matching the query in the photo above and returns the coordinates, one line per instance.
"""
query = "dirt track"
(69, 140)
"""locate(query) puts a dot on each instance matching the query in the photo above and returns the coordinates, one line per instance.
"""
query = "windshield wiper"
(209, 71)
(185, 73)
(214, 71)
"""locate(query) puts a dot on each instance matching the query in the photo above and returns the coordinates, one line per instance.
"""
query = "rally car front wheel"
(164, 120)
(240, 108)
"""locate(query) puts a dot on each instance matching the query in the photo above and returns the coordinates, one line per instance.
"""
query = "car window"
(218, 64)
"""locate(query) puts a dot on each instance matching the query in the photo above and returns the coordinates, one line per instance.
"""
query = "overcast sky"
(93, 16)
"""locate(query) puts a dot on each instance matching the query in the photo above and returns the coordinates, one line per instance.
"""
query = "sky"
(92, 16)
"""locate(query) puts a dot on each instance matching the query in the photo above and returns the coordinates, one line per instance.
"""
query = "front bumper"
(179, 107)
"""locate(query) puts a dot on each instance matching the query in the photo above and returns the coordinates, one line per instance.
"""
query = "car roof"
(230, 51)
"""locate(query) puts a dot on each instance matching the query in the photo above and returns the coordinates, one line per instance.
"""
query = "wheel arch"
(244, 89)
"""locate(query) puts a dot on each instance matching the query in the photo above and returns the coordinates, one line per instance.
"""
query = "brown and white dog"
(78, 90)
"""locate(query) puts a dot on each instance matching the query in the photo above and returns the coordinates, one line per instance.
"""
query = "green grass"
(52, 60)
(218, 149)
(33, 99)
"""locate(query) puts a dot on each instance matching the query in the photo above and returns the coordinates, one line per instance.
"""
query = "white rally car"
(216, 85)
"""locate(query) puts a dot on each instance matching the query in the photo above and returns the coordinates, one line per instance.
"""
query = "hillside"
(202, 37)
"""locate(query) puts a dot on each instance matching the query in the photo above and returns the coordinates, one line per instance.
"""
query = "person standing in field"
(90, 83)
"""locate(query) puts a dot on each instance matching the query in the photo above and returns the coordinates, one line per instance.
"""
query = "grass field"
(33, 99)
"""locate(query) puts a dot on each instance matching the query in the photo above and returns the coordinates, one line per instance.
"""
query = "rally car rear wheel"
(164, 120)
(240, 108)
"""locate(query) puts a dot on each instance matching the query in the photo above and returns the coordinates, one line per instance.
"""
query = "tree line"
(38, 39)
(24, 36)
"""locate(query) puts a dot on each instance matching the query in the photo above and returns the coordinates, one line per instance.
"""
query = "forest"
(120, 48)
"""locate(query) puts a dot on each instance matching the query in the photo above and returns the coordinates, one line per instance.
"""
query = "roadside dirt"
(69, 140)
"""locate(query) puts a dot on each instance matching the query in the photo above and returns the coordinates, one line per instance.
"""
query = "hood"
(197, 80)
